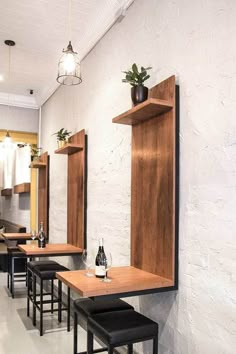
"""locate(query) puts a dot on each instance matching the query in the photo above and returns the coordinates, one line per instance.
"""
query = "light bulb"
(69, 63)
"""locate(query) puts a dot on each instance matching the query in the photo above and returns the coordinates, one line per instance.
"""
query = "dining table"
(16, 236)
(125, 281)
(51, 250)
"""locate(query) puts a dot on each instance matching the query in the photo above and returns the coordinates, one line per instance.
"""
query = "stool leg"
(89, 342)
(59, 301)
(12, 277)
(28, 293)
(155, 345)
(130, 348)
(68, 309)
(41, 307)
(110, 349)
(34, 299)
(52, 295)
(75, 333)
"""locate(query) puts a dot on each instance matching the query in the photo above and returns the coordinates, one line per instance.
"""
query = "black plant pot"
(139, 94)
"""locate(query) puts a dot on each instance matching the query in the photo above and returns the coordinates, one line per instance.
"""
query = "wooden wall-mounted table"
(51, 249)
(126, 281)
(16, 236)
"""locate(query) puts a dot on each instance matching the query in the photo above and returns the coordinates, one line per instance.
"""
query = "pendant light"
(69, 65)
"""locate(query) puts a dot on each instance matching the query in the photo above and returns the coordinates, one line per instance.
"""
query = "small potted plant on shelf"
(35, 152)
(136, 78)
(62, 137)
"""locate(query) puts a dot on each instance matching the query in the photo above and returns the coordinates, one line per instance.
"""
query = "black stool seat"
(48, 271)
(32, 264)
(83, 308)
(88, 307)
(122, 327)
(14, 251)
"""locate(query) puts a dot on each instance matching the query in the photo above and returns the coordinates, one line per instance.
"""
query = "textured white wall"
(195, 40)
(17, 207)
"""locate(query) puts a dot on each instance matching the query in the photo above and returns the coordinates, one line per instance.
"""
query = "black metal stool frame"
(11, 276)
(110, 348)
(39, 304)
(75, 339)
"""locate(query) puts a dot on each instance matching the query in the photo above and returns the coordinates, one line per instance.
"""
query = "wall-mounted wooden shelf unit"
(69, 149)
(76, 149)
(7, 192)
(146, 110)
(38, 164)
(43, 191)
(22, 188)
(154, 183)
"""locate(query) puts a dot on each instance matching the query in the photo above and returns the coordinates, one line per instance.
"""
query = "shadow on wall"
(158, 308)
(24, 202)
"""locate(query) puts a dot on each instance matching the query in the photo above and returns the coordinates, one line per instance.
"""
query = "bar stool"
(83, 308)
(122, 328)
(30, 271)
(17, 268)
(47, 272)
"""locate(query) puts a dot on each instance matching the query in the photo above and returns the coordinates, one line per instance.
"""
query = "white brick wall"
(196, 41)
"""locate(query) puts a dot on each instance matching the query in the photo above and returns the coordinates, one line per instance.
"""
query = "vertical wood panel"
(76, 192)
(153, 188)
(43, 193)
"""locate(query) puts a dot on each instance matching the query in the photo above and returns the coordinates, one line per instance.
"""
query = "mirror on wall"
(18, 182)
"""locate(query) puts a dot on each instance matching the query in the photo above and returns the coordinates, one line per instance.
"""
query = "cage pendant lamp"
(69, 67)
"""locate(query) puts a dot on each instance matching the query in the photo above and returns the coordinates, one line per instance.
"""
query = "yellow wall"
(29, 138)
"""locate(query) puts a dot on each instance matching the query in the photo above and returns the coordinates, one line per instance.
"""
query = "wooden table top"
(16, 236)
(124, 280)
(51, 249)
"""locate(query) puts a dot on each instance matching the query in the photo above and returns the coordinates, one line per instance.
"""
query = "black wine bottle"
(100, 261)
(42, 237)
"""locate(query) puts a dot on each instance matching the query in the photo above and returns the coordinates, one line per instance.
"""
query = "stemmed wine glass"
(33, 235)
(88, 260)
(106, 263)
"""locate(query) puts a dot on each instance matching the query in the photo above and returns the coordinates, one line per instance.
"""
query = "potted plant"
(136, 78)
(62, 137)
(35, 152)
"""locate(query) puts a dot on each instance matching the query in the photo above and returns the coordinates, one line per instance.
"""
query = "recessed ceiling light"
(1, 77)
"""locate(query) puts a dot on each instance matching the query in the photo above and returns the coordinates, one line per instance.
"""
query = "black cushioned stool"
(17, 268)
(30, 270)
(121, 328)
(83, 308)
(48, 272)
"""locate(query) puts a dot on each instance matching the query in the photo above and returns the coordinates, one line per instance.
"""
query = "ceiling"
(41, 30)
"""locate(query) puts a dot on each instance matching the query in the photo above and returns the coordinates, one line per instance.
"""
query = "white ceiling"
(40, 30)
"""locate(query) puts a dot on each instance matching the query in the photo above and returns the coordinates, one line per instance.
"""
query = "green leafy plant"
(35, 150)
(62, 134)
(134, 77)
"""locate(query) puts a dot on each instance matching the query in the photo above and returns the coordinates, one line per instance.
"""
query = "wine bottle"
(100, 261)
(42, 237)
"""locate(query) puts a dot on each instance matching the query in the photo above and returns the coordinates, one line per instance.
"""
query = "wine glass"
(106, 263)
(87, 259)
(33, 235)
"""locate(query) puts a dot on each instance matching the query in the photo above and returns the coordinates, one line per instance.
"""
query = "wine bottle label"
(100, 271)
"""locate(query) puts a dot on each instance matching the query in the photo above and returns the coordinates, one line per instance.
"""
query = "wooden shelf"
(124, 280)
(38, 164)
(22, 188)
(6, 192)
(69, 149)
(146, 110)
